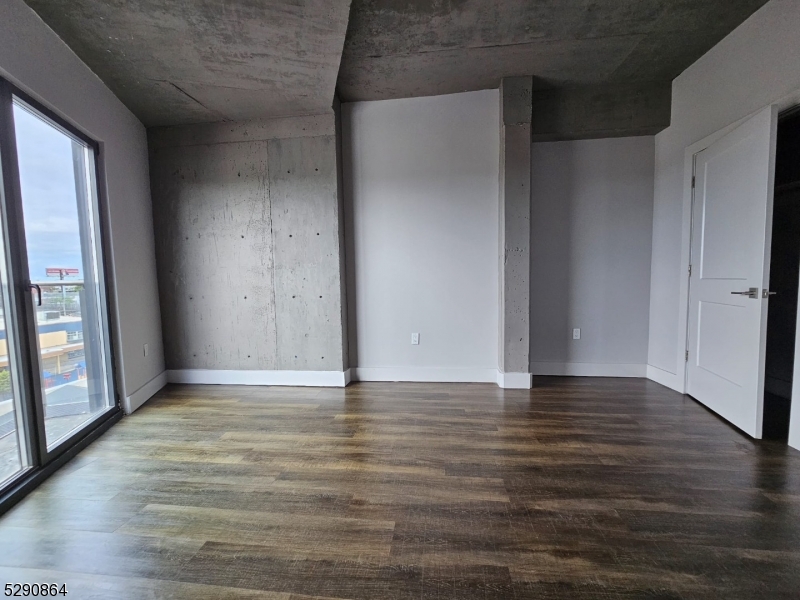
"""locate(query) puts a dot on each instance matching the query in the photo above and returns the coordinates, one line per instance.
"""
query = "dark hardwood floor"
(580, 488)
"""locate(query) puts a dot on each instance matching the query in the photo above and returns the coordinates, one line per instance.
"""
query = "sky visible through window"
(48, 196)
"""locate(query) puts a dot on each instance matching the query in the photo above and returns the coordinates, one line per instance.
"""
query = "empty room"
(399, 299)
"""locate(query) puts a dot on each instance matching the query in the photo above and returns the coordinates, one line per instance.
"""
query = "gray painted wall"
(421, 186)
(35, 59)
(591, 227)
(757, 64)
(248, 229)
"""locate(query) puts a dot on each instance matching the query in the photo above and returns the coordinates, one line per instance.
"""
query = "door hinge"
(687, 356)
(690, 270)
(694, 181)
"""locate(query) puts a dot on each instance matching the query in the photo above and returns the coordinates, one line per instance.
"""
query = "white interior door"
(731, 235)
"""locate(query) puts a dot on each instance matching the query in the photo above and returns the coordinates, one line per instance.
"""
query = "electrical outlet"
(146, 349)
(415, 339)
(576, 334)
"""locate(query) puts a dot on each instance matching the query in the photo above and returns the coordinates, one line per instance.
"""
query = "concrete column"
(515, 232)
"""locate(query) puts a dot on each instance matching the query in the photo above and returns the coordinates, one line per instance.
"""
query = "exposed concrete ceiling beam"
(601, 111)
(599, 68)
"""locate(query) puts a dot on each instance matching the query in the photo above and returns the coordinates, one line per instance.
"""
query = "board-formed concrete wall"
(248, 235)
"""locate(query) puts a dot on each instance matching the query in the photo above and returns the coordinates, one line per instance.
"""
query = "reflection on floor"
(580, 488)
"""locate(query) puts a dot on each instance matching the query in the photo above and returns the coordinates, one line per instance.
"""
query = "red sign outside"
(57, 272)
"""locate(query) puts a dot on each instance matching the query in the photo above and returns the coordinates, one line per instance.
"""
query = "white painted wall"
(757, 64)
(36, 60)
(591, 231)
(421, 190)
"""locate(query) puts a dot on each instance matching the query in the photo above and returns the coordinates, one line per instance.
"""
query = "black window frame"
(21, 315)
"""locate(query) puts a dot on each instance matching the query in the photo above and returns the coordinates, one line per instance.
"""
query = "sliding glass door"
(14, 454)
(56, 174)
(56, 378)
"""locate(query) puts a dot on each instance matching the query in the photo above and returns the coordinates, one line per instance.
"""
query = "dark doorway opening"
(784, 280)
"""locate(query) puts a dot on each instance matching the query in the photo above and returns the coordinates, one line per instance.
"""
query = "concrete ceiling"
(600, 67)
(404, 48)
(192, 61)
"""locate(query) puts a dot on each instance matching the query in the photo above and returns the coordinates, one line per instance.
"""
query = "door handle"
(751, 293)
(767, 293)
(38, 289)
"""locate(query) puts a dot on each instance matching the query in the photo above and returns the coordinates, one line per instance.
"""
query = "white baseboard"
(287, 378)
(144, 393)
(343, 378)
(425, 374)
(514, 381)
(520, 381)
(588, 369)
(665, 378)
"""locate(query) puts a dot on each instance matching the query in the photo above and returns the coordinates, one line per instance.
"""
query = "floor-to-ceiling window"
(56, 379)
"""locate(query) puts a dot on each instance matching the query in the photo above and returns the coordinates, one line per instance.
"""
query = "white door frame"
(678, 381)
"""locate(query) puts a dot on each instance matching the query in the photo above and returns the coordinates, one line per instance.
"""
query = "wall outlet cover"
(576, 334)
(415, 339)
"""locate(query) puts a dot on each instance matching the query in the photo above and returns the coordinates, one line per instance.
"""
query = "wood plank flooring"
(579, 488)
